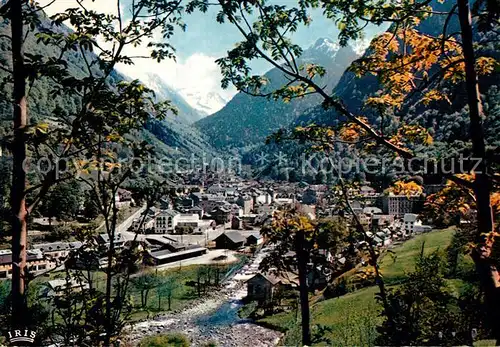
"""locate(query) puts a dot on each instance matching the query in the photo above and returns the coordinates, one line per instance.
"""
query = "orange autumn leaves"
(410, 188)
(455, 199)
(414, 134)
(353, 133)
(402, 61)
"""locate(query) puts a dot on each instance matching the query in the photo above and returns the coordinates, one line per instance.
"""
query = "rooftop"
(57, 246)
(233, 236)
(165, 254)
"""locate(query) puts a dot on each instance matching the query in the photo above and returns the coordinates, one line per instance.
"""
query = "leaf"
(42, 128)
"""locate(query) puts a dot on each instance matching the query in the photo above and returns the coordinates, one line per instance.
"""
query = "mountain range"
(246, 121)
(165, 92)
(205, 102)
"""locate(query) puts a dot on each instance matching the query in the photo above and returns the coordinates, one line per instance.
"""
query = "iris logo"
(17, 336)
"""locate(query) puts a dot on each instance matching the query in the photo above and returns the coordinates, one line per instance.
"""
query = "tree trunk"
(302, 260)
(169, 302)
(488, 273)
(110, 326)
(146, 294)
(19, 213)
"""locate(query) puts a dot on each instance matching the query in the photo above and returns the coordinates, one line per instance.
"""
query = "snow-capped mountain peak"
(360, 46)
(164, 91)
(193, 104)
(207, 103)
(326, 46)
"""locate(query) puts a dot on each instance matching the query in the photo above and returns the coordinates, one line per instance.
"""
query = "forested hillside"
(354, 91)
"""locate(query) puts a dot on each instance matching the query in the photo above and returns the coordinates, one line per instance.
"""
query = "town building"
(381, 221)
(221, 190)
(262, 197)
(143, 224)
(246, 203)
(59, 287)
(208, 204)
(237, 223)
(159, 243)
(35, 261)
(367, 191)
(265, 209)
(398, 205)
(118, 242)
(165, 256)
(371, 210)
(261, 287)
(357, 206)
(412, 225)
(164, 221)
(255, 240)
(123, 198)
(187, 220)
(230, 240)
(57, 250)
(170, 222)
(196, 210)
(221, 215)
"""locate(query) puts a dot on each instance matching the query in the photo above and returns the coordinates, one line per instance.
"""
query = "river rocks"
(213, 319)
(237, 335)
(245, 334)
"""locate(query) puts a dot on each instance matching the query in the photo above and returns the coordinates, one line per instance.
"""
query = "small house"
(255, 240)
(230, 240)
(59, 287)
(118, 242)
(236, 223)
(221, 214)
(35, 261)
(262, 287)
(57, 250)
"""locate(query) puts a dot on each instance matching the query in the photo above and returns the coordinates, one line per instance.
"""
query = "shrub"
(165, 340)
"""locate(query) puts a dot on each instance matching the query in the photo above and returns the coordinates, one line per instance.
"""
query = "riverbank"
(213, 319)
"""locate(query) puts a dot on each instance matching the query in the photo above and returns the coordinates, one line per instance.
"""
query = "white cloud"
(193, 76)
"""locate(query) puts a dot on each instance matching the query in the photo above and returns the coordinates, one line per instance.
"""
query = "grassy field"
(182, 296)
(354, 316)
(395, 267)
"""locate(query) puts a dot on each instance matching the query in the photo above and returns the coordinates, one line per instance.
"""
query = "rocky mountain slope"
(447, 123)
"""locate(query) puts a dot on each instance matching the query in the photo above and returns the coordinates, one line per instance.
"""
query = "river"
(215, 319)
